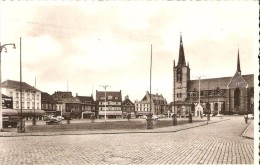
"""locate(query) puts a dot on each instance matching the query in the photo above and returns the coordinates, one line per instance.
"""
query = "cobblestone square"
(215, 143)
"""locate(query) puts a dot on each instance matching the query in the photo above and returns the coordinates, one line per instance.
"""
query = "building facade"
(222, 95)
(158, 105)
(30, 98)
(113, 102)
(48, 104)
(128, 108)
(7, 102)
(88, 106)
(69, 105)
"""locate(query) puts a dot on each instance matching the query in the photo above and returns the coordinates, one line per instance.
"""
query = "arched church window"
(237, 98)
(179, 75)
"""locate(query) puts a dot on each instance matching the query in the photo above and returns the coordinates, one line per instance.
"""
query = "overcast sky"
(109, 43)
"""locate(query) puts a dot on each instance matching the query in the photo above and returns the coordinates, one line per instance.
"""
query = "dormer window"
(110, 97)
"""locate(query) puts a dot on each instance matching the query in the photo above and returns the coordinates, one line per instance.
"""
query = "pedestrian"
(246, 118)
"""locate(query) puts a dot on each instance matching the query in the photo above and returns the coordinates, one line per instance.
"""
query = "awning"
(9, 112)
(31, 112)
(115, 113)
(88, 112)
(142, 113)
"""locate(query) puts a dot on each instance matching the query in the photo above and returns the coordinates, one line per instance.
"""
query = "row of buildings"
(60, 103)
(225, 95)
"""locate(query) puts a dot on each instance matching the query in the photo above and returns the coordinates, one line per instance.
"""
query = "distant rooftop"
(11, 84)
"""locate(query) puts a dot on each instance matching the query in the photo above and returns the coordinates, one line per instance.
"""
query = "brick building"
(88, 106)
(113, 102)
(159, 105)
(128, 107)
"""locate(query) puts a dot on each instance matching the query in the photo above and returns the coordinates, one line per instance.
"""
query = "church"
(221, 95)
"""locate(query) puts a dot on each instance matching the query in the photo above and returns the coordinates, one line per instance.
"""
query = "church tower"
(181, 77)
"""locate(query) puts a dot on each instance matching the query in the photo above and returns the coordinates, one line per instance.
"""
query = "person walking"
(246, 118)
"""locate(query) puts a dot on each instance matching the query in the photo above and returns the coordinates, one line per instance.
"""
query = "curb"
(244, 132)
(119, 132)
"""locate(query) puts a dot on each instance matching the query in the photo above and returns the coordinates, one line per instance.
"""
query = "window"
(110, 97)
(28, 95)
(116, 98)
(179, 75)
(237, 97)
(23, 104)
(17, 104)
(38, 97)
(33, 105)
(38, 106)
(11, 94)
(22, 95)
(28, 105)
(17, 95)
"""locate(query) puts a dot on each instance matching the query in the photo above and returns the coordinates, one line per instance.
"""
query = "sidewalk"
(87, 132)
(249, 131)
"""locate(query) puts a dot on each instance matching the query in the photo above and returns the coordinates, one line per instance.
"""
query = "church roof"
(213, 83)
(181, 61)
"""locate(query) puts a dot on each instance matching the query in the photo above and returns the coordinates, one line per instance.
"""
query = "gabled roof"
(127, 102)
(60, 94)
(237, 81)
(114, 94)
(154, 97)
(46, 97)
(84, 99)
(71, 100)
(221, 83)
(11, 84)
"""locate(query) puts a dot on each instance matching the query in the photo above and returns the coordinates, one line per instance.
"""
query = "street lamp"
(105, 87)
(1, 48)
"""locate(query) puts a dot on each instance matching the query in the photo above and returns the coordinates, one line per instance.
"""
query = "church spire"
(238, 63)
(181, 61)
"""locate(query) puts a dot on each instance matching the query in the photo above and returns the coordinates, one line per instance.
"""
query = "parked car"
(47, 117)
(53, 121)
(154, 117)
(60, 118)
(250, 116)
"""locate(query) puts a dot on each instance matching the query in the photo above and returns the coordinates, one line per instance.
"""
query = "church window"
(179, 75)
(237, 97)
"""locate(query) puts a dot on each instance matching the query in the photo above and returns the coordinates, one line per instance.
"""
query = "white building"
(31, 97)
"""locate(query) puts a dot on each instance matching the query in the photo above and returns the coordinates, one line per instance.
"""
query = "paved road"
(218, 143)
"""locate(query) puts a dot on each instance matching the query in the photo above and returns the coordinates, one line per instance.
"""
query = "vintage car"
(53, 121)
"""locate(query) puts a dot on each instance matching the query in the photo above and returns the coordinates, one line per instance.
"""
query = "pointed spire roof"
(238, 63)
(181, 61)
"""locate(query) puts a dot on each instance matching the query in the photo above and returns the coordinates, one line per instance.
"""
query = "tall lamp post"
(1, 113)
(105, 87)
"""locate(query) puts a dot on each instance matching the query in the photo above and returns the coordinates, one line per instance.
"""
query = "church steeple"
(181, 61)
(238, 63)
